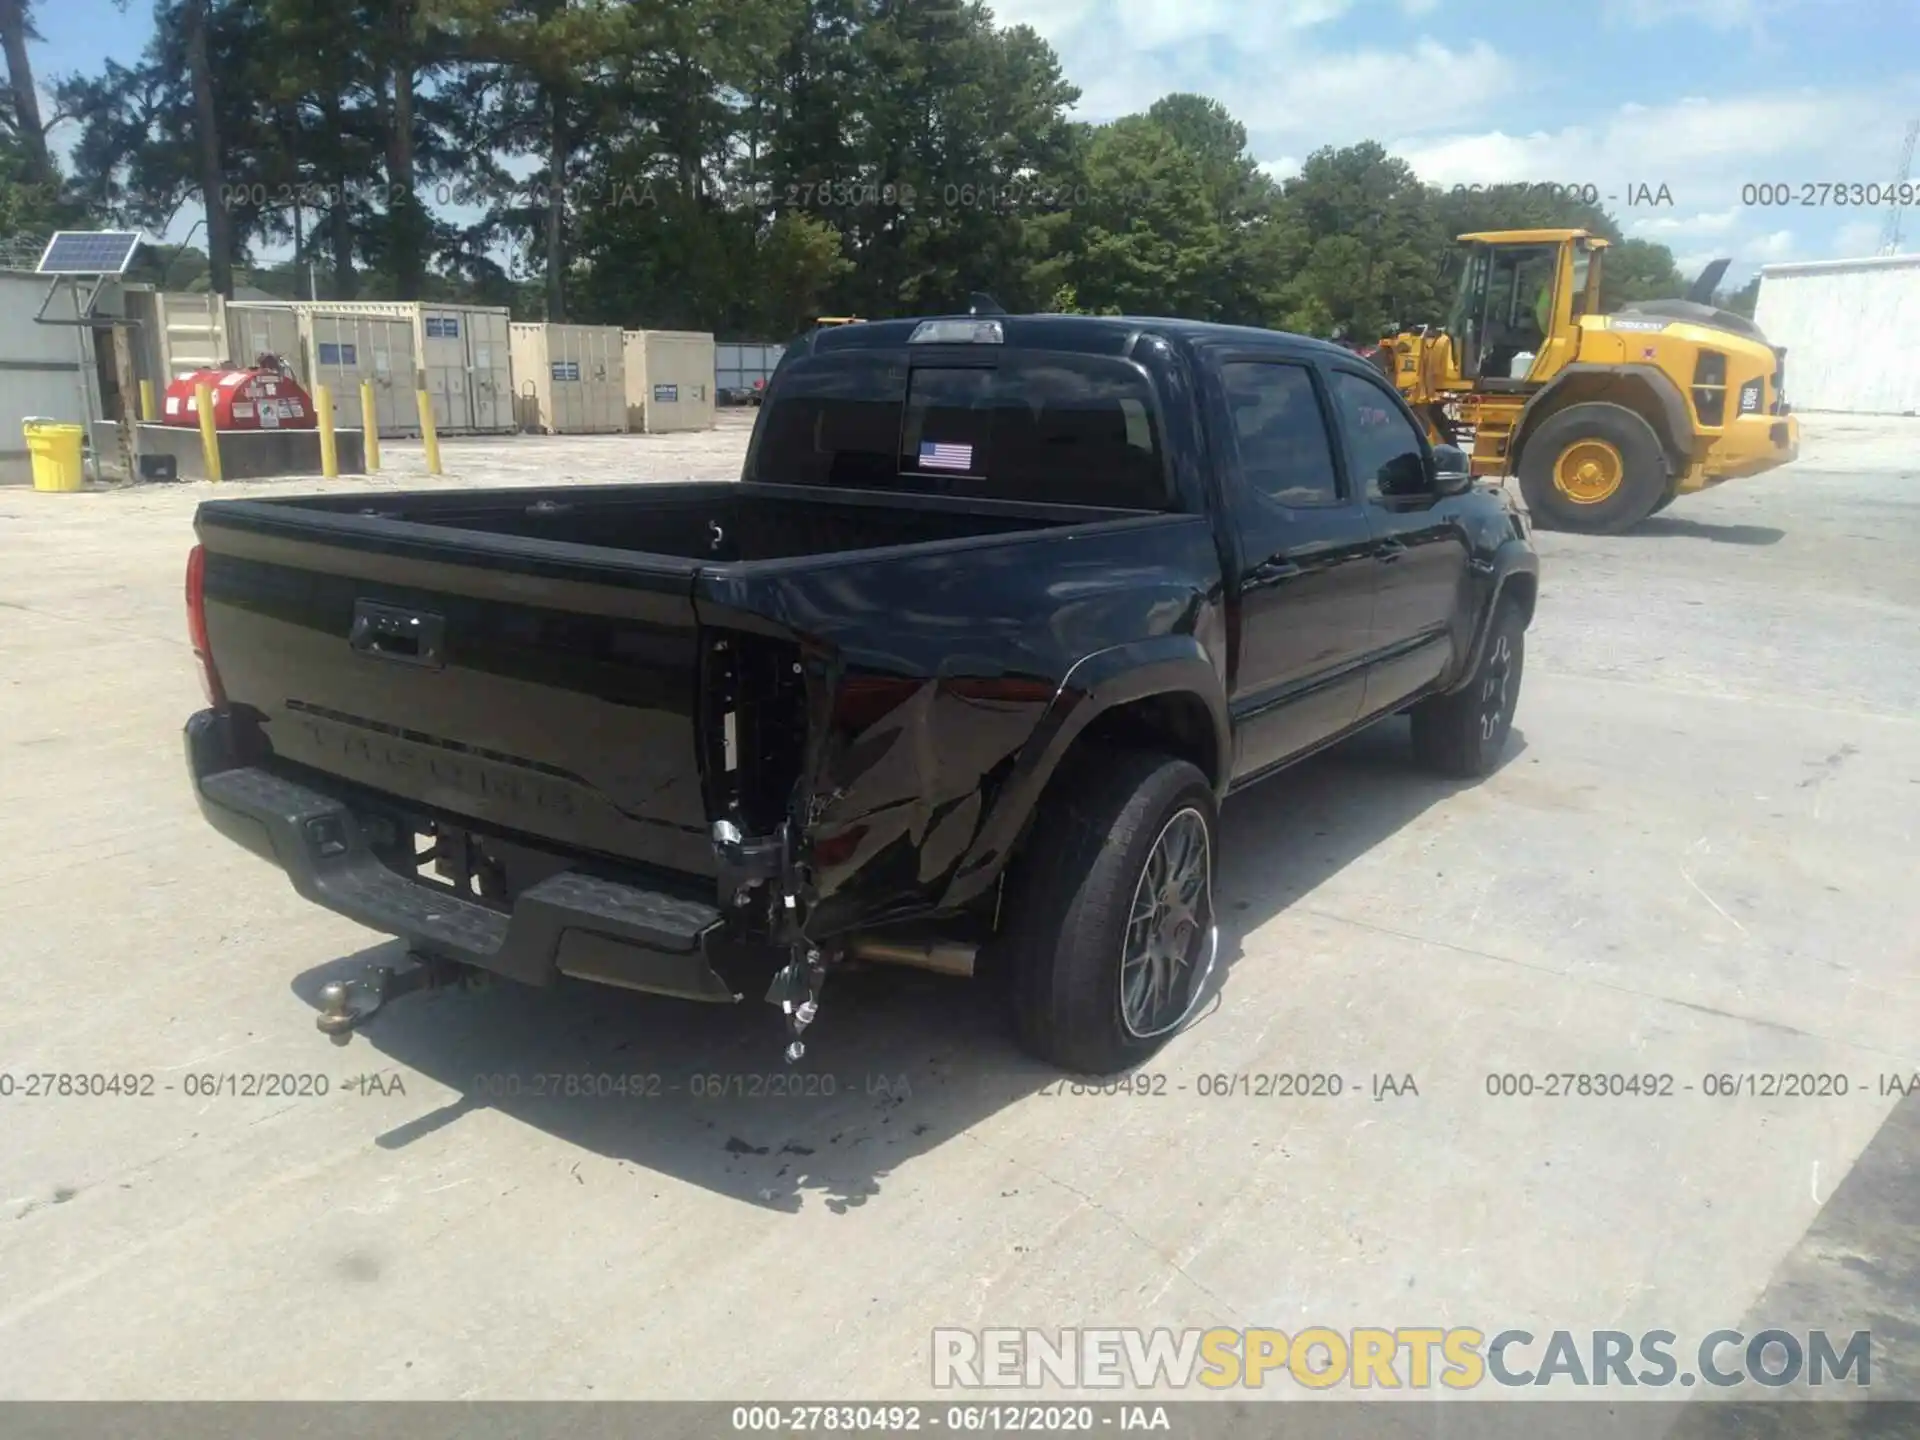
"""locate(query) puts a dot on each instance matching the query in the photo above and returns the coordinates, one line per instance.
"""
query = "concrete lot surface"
(1699, 859)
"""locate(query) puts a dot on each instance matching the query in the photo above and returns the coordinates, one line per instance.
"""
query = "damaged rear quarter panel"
(935, 671)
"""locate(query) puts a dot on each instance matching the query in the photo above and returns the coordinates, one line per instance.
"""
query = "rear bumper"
(569, 924)
(1752, 445)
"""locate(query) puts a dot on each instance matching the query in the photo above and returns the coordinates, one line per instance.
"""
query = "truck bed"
(718, 522)
(604, 672)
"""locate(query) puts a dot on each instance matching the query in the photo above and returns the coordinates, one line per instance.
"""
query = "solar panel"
(90, 252)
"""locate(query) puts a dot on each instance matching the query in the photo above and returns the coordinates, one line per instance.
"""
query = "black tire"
(1667, 499)
(1464, 732)
(1069, 901)
(1643, 476)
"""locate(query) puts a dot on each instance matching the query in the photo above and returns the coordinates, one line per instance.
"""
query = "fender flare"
(1675, 435)
(1514, 560)
(1119, 675)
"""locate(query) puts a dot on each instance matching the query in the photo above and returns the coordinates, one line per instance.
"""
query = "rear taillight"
(197, 627)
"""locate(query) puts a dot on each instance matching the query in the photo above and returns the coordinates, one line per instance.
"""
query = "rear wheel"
(1594, 468)
(1109, 932)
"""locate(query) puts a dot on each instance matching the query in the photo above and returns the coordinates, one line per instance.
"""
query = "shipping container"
(346, 348)
(338, 347)
(178, 333)
(670, 379)
(1834, 318)
(46, 371)
(569, 379)
(738, 364)
(462, 350)
(467, 353)
(256, 329)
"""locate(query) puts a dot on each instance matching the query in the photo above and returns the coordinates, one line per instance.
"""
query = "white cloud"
(1052, 18)
(1287, 84)
(1666, 228)
(1299, 98)
(1858, 237)
(1153, 24)
(1708, 147)
(1725, 16)
(1721, 14)
(1706, 152)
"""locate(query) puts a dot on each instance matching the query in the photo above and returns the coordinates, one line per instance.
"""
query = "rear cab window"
(1044, 427)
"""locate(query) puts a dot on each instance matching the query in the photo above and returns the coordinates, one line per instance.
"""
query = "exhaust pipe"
(943, 957)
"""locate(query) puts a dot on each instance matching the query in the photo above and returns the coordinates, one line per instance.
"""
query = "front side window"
(1463, 320)
(1388, 455)
(1521, 293)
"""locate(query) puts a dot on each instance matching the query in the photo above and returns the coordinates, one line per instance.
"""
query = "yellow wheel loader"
(1605, 419)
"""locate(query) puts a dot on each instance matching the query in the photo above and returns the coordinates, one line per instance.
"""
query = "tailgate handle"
(411, 637)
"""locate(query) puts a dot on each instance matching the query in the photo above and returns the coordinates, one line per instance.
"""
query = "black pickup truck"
(957, 674)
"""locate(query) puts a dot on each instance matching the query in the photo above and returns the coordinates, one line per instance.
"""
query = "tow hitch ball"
(345, 1005)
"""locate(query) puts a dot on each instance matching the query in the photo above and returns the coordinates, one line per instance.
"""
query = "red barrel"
(266, 397)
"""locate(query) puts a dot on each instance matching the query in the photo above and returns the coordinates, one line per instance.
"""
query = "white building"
(1851, 330)
(47, 372)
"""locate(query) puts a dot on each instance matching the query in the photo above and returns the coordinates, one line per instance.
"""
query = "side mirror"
(1452, 471)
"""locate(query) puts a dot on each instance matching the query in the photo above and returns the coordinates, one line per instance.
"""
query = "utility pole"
(1896, 207)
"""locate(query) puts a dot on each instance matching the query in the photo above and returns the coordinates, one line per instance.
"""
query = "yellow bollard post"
(329, 447)
(428, 434)
(369, 428)
(209, 437)
(147, 413)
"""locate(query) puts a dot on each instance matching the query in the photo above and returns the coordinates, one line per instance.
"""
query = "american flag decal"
(937, 456)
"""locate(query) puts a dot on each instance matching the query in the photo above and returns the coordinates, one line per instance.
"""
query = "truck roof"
(1103, 333)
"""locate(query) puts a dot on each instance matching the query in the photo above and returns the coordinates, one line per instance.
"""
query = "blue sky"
(1703, 96)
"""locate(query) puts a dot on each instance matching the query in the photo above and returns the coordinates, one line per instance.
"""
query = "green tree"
(22, 112)
(538, 89)
(313, 73)
(1638, 270)
(1145, 240)
(1362, 239)
(1743, 300)
(29, 210)
(197, 20)
(1462, 211)
(180, 125)
(959, 138)
(1260, 241)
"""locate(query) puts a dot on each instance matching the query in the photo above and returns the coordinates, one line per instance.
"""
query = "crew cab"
(956, 675)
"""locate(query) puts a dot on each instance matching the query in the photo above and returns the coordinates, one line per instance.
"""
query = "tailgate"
(536, 688)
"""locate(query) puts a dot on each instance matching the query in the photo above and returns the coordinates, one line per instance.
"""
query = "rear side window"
(1286, 453)
(1071, 430)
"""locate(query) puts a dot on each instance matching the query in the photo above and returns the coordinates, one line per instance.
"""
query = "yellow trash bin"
(55, 449)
